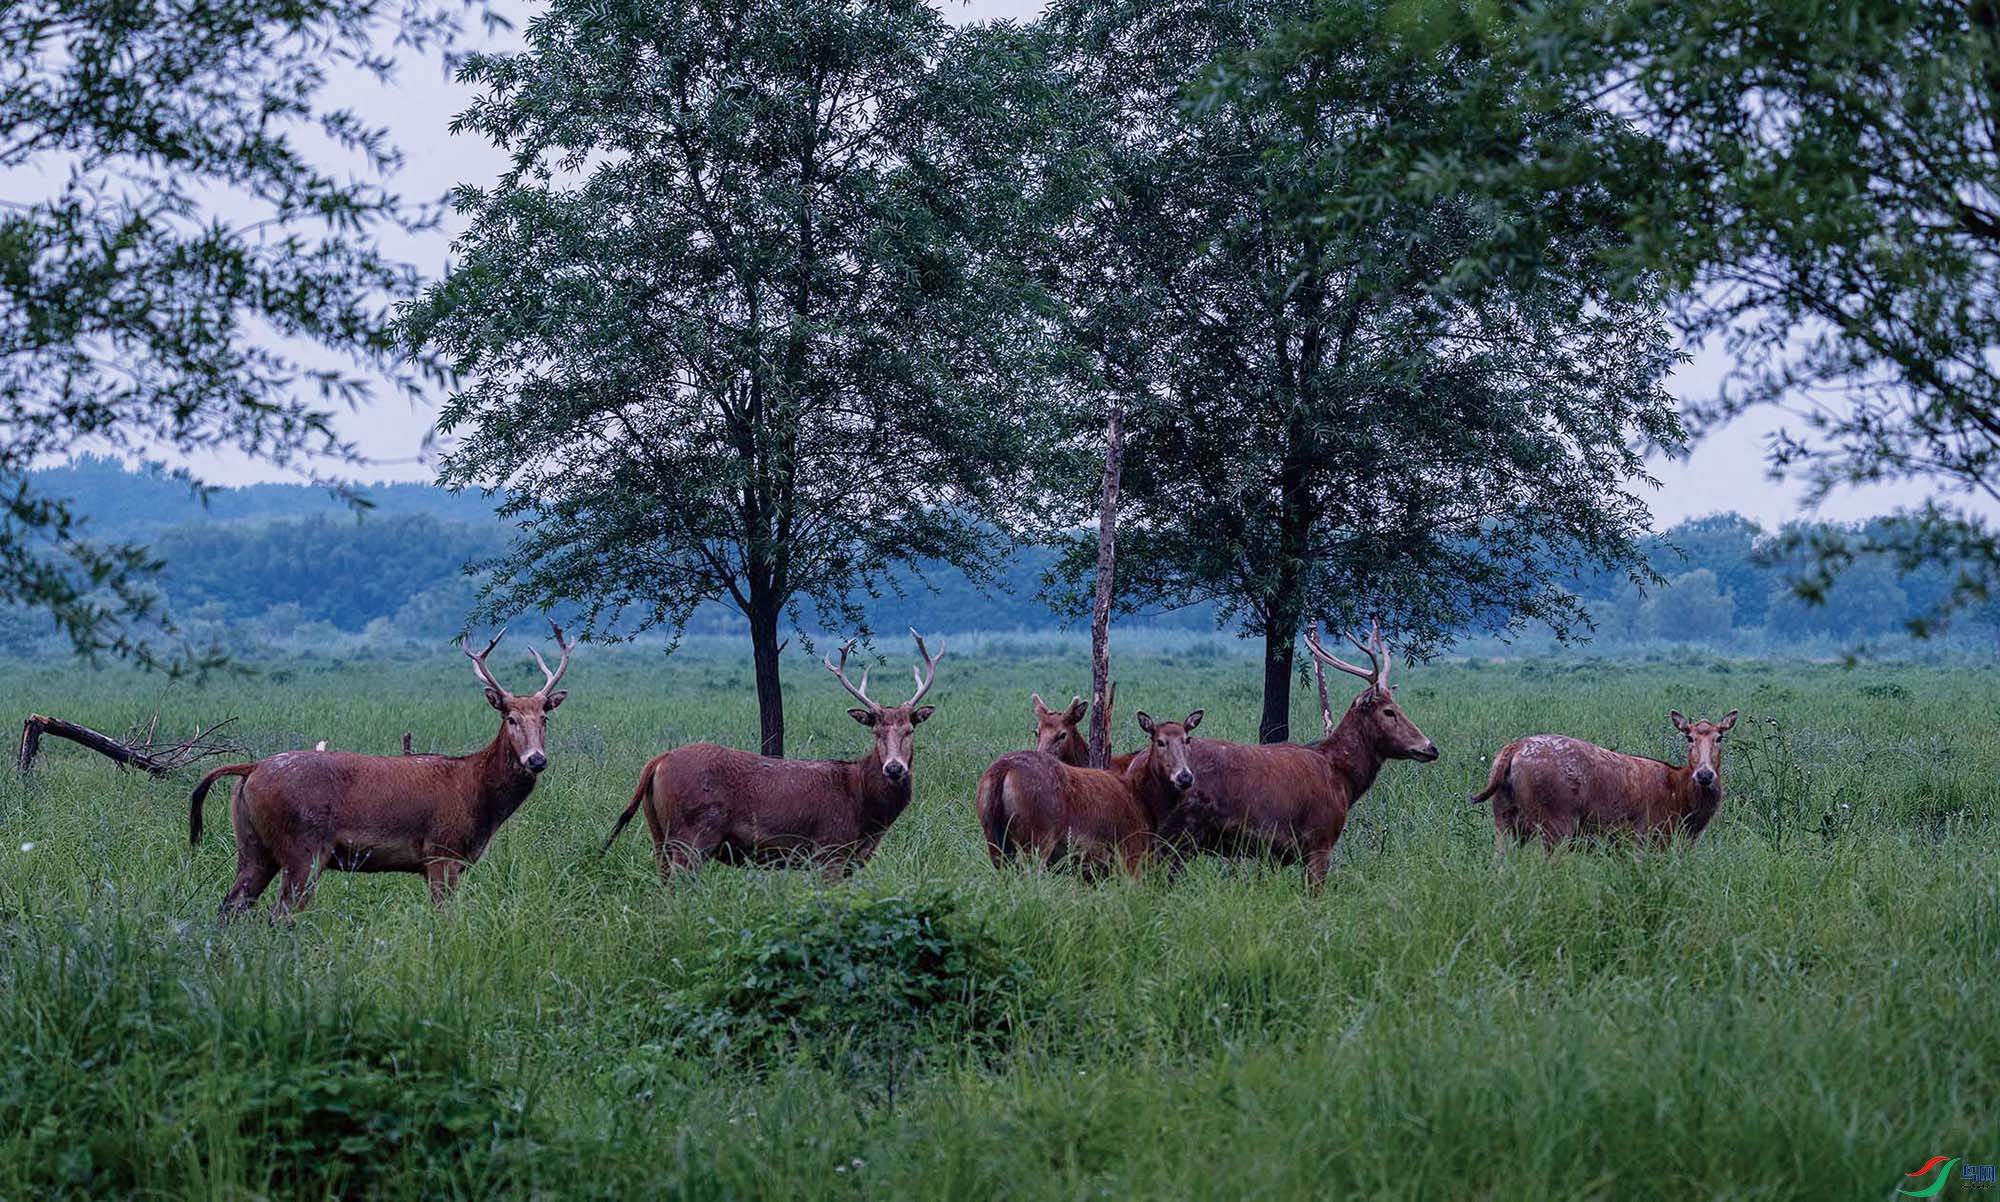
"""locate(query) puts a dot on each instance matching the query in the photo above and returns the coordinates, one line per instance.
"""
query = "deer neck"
(503, 784)
(1352, 754)
(1694, 805)
(1156, 797)
(882, 801)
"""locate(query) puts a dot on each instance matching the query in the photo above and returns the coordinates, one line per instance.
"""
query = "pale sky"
(1725, 472)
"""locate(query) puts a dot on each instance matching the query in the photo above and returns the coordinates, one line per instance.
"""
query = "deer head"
(1380, 722)
(1055, 728)
(894, 725)
(1167, 756)
(525, 724)
(1704, 747)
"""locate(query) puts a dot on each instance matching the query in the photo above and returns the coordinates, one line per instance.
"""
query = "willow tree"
(736, 325)
(191, 259)
(1346, 412)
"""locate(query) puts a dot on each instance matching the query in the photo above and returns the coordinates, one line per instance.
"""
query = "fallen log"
(139, 753)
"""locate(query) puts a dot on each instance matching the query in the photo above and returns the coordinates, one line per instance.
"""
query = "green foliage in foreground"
(1804, 1005)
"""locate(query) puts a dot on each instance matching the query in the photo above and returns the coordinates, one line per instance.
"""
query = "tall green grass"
(1806, 1004)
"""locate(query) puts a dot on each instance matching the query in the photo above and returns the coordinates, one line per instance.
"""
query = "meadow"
(1805, 1004)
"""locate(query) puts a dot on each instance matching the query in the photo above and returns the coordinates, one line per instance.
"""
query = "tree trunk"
(764, 648)
(1276, 724)
(1100, 610)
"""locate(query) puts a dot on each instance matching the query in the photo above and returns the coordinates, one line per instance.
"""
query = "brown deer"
(1557, 787)
(1289, 799)
(709, 802)
(303, 812)
(1059, 733)
(1033, 802)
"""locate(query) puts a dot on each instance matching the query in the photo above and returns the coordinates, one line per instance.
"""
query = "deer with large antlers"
(1289, 799)
(305, 812)
(706, 802)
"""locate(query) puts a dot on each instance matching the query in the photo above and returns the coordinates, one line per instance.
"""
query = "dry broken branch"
(136, 750)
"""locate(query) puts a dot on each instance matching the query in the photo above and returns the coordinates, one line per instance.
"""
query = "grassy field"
(1807, 1004)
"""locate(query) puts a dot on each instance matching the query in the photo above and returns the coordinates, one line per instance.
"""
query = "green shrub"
(852, 977)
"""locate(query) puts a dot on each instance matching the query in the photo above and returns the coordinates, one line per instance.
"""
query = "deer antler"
(1319, 674)
(840, 674)
(926, 675)
(562, 665)
(1374, 674)
(1383, 660)
(479, 659)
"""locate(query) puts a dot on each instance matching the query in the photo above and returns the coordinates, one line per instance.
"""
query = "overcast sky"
(1725, 472)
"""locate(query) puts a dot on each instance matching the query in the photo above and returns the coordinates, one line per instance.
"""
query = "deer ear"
(1078, 707)
(922, 715)
(1145, 721)
(1194, 719)
(1679, 720)
(1728, 720)
(1041, 707)
(495, 699)
(865, 717)
(553, 700)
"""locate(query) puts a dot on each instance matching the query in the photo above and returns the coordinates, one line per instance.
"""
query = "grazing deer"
(1289, 799)
(1034, 802)
(705, 801)
(303, 812)
(1059, 733)
(1556, 787)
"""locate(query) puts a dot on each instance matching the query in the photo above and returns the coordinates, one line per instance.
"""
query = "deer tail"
(201, 795)
(991, 805)
(638, 799)
(1502, 765)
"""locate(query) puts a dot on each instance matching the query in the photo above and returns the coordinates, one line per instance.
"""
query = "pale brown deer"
(1558, 787)
(1060, 733)
(1033, 803)
(1291, 800)
(707, 802)
(305, 812)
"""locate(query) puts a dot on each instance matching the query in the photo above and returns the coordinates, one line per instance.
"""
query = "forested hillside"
(274, 561)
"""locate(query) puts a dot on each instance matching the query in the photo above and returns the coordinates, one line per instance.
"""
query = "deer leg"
(301, 877)
(683, 855)
(442, 873)
(851, 859)
(1318, 860)
(1132, 851)
(255, 866)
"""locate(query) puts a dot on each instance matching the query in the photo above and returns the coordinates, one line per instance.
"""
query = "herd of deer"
(305, 812)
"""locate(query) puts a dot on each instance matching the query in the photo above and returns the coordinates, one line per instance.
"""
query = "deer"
(1557, 787)
(1059, 732)
(1292, 800)
(1034, 802)
(304, 812)
(706, 802)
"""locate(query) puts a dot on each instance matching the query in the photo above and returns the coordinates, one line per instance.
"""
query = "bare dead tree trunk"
(1325, 700)
(1100, 610)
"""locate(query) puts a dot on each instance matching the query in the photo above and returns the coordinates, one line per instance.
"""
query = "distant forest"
(285, 563)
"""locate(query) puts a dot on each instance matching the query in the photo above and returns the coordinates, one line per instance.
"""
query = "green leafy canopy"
(177, 271)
